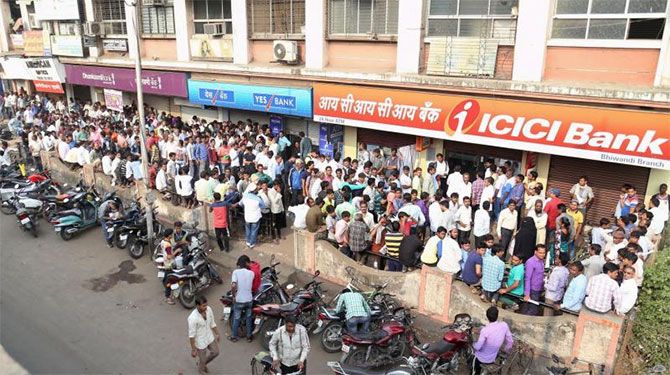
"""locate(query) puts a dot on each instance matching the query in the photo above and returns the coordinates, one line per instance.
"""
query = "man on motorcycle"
(491, 338)
(289, 347)
(179, 235)
(243, 279)
(358, 311)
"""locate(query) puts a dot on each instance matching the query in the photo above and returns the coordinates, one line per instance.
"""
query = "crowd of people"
(495, 228)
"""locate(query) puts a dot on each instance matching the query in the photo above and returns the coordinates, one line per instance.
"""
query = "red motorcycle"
(381, 346)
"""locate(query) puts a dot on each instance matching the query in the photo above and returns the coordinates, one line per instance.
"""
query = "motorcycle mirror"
(65, 184)
(97, 199)
(290, 286)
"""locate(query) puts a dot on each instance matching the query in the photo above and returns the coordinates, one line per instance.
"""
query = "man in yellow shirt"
(577, 216)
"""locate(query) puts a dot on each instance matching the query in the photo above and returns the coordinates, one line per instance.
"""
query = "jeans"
(108, 235)
(354, 322)
(296, 197)
(393, 265)
(238, 307)
(251, 232)
(463, 235)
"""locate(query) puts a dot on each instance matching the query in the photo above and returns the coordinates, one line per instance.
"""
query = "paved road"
(79, 307)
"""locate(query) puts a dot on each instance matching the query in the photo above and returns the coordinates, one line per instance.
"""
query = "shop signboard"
(17, 40)
(48, 86)
(276, 125)
(45, 69)
(640, 138)
(116, 45)
(33, 43)
(54, 10)
(14, 68)
(67, 45)
(331, 139)
(291, 101)
(114, 99)
(153, 82)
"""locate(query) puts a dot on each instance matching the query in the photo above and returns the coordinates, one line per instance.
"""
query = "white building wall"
(241, 48)
(315, 34)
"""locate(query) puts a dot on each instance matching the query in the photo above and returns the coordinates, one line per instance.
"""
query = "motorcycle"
(27, 219)
(68, 200)
(28, 185)
(119, 235)
(29, 195)
(303, 306)
(270, 291)
(197, 274)
(139, 237)
(70, 222)
(261, 364)
(382, 346)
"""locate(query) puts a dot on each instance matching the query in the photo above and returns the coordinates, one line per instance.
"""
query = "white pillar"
(662, 78)
(410, 19)
(183, 10)
(24, 16)
(5, 17)
(532, 33)
(241, 50)
(131, 33)
(90, 17)
(315, 34)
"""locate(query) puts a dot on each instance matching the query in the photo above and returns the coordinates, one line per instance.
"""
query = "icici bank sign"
(615, 135)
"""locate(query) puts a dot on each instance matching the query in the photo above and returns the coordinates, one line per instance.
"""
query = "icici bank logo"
(462, 117)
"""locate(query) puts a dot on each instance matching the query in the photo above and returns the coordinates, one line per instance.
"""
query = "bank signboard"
(153, 82)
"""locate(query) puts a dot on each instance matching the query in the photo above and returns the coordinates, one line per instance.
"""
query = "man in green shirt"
(514, 284)
(358, 311)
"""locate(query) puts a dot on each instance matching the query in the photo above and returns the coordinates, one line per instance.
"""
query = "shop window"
(489, 19)
(158, 20)
(609, 19)
(272, 18)
(363, 18)
(112, 15)
(212, 11)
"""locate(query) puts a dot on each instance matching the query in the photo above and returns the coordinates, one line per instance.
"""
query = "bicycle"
(517, 361)
(558, 369)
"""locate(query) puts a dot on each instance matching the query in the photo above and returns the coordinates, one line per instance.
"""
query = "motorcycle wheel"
(65, 235)
(136, 249)
(187, 295)
(269, 325)
(121, 244)
(7, 209)
(331, 338)
(33, 230)
(356, 357)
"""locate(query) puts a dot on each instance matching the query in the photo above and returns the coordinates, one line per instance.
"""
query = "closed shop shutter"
(159, 103)
(605, 179)
(384, 139)
(482, 150)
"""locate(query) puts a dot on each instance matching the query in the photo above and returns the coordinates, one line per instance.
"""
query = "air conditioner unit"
(34, 22)
(154, 3)
(215, 29)
(93, 28)
(285, 50)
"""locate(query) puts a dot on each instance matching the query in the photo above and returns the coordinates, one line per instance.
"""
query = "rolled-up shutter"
(605, 179)
(483, 150)
(384, 139)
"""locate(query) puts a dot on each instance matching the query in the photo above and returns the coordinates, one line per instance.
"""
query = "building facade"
(566, 87)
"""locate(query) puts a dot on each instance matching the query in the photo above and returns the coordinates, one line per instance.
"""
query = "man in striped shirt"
(392, 240)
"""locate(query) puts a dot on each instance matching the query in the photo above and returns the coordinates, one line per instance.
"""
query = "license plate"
(345, 348)
(226, 310)
(25, 220)
(57, 229)
(123, 237)
(161, 274)
(319, 323)
(257, 321)
(174, 286)
(110, 230)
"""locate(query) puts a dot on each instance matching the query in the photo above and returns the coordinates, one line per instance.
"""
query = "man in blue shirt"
(296, 180)
(493, 270)
(200, 155)
(472, 269)
(576, 292)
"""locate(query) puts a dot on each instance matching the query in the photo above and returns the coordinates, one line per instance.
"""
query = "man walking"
(289, 347)
(203, 334)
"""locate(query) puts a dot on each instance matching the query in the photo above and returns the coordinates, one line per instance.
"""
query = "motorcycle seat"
(438, 347)
(74, 211)
(369, 336)
(353, 370)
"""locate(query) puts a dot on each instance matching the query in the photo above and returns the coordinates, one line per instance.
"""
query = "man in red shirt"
(551, 208)
(219, 210)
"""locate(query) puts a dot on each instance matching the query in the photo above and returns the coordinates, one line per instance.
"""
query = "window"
(363, 17)
(112, 15)
(158, 20)
(67, 28)
(212, 11)
(491, 19)
(272, 17)
(609, 19)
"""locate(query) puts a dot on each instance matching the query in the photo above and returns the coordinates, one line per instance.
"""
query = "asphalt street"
(79, 307)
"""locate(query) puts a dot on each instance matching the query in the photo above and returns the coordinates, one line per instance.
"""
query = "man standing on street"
(243, 279)
(289, 347)
(203, 334)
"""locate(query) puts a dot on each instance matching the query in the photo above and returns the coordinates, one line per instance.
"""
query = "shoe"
(250, 339)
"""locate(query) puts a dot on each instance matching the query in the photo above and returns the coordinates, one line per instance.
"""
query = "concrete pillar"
(90, 17)
(410, 22)
(132, 31)
(315, 34)
(542, 169)
(95, 97)
(69, 93)
(241, 48)
(662, 78)
(183, 10)
(532, 32)
(5, 18)
(350, 142)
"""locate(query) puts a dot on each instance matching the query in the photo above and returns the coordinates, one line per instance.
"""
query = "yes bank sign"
(272, 99)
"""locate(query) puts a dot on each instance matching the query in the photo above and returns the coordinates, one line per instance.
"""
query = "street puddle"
(105, 283)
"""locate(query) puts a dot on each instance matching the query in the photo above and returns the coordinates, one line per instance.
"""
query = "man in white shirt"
(203, 334)
(253, 205)
(435, 213)
(464, 220)
(405, 180)
(107, 164)
(482, 223)
(451, 255)
(442, 170)
(161, 178)
(412, 210)
(627, 292)
(454, 181)
(243, 279)
(507, 223)
(489, 192)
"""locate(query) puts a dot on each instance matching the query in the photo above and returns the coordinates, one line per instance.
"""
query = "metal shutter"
(384, 139)
(605, 179)
(487, 151)
(159, 103)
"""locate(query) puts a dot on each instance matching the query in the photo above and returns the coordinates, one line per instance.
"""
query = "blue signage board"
(282, 100)
(276, 125)
(331, 139)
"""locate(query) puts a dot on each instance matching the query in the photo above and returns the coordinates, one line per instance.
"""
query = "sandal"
(170, 301)
(233, 339)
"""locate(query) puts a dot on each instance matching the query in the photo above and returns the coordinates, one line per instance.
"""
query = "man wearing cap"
(253, 205)
(551, 208)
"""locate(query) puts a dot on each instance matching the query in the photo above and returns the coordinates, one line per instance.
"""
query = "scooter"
(70, 222)
(27, 220)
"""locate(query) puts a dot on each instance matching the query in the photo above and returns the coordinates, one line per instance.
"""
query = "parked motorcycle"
(115, 227)
(304, 306)
(33, 191)
(27, 219)
(138, 237)
(382, 346)
(70, 222)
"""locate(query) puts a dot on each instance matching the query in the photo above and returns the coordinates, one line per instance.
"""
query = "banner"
(331, 139)
(33, 43)
(283, 100)
(114, 99)
(49, 10)
(623, 136)
(67, 45)
(153, 82)
(49, 86)
(45, 69)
